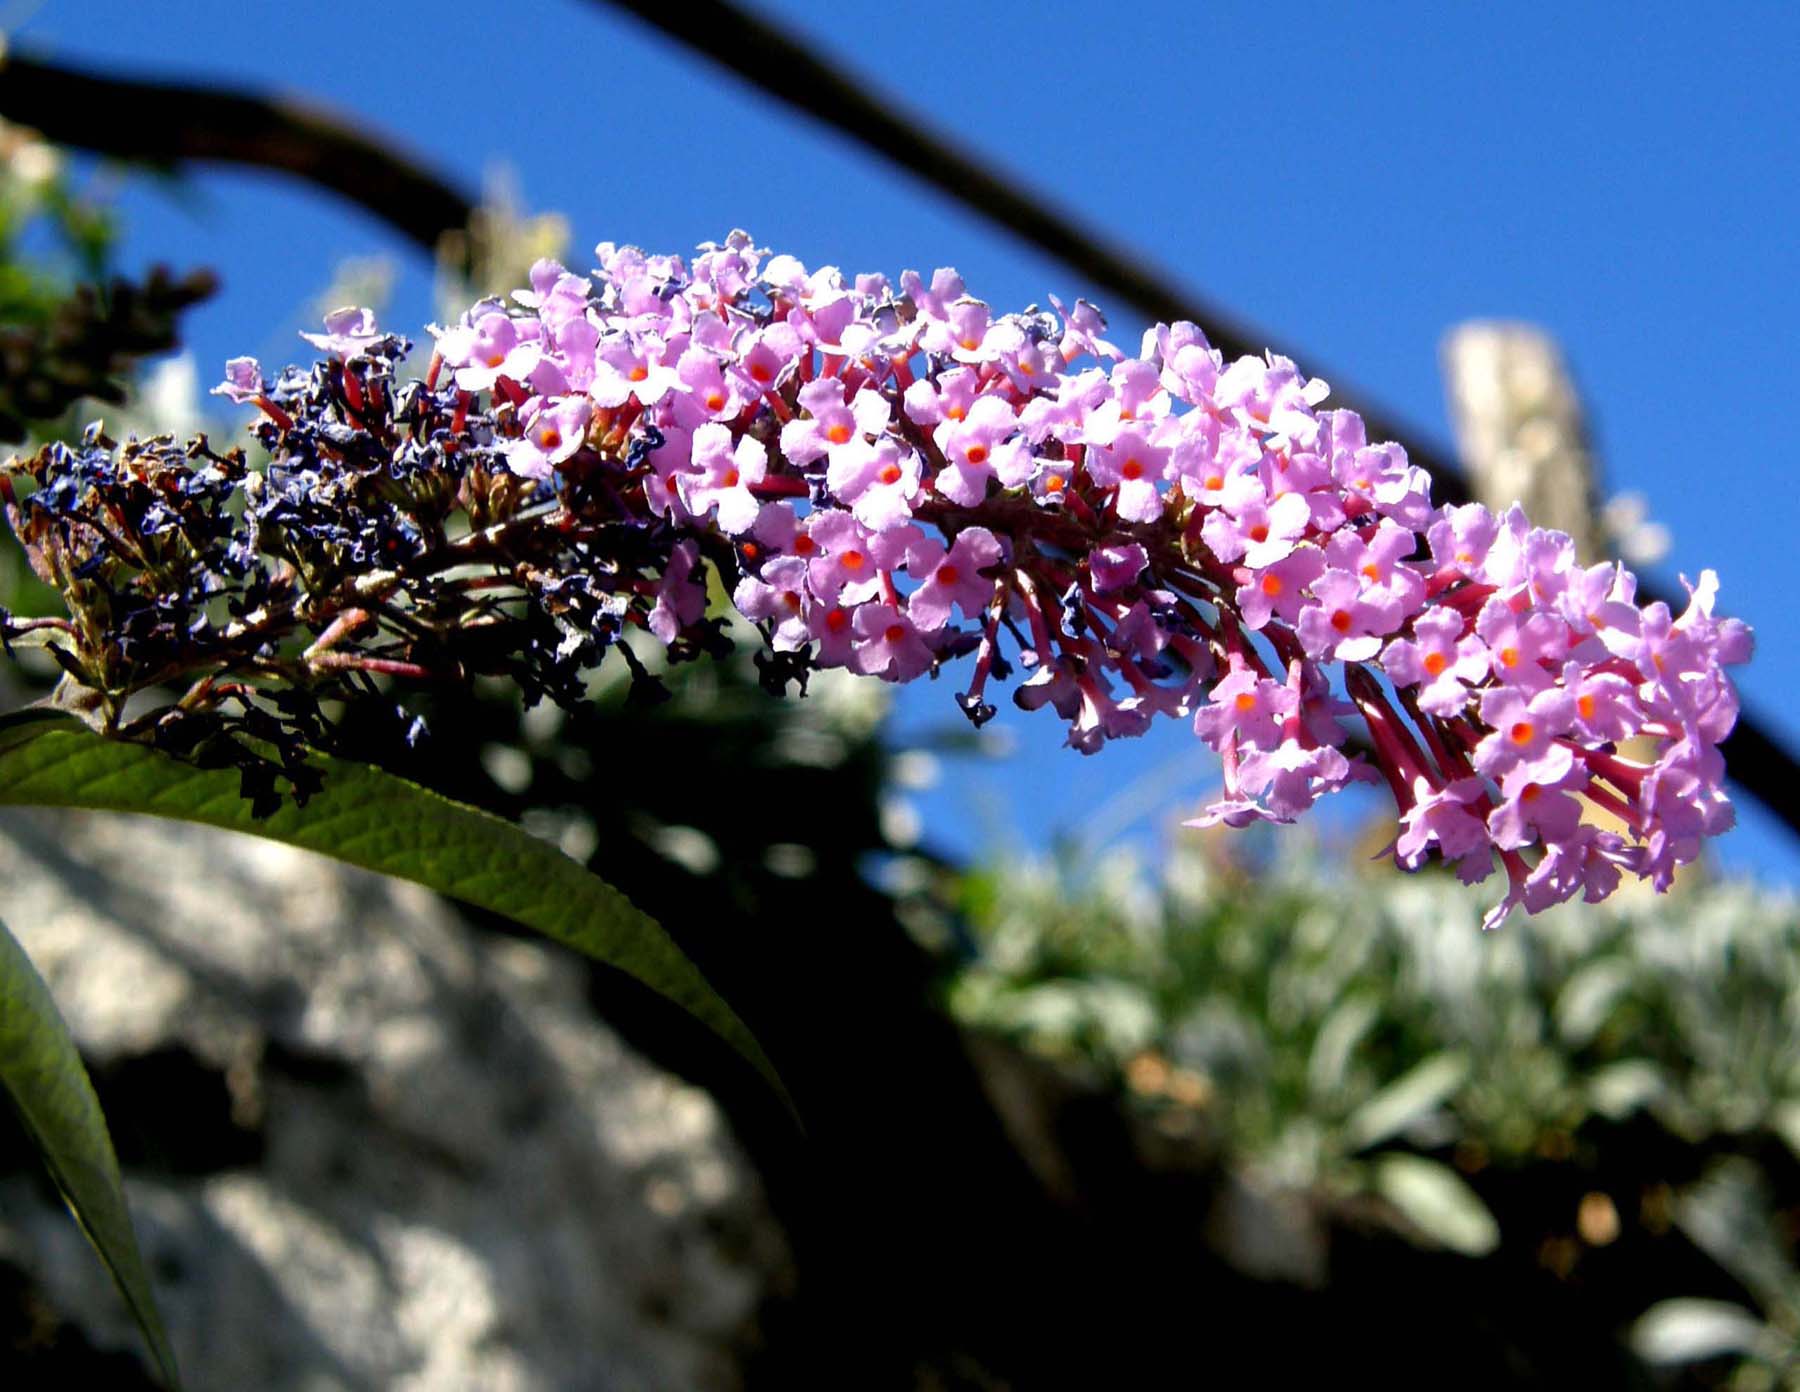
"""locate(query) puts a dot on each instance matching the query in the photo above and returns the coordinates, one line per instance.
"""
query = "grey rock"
(458, 1177)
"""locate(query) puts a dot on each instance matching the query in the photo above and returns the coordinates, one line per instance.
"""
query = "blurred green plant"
(1348, 1044)
(68, 329)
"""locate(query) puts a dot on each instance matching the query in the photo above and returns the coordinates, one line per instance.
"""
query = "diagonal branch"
(168, 123)
(782, 68)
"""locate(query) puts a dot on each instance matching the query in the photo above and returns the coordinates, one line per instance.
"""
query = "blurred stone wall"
(366, 1146)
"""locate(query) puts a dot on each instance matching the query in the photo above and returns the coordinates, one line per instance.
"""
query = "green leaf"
(366, 817)
(50, 1088)
(1415, 1094)
(1437, 1202)
(1690, 1330)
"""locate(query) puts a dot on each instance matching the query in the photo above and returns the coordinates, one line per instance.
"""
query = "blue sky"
(1351, 179)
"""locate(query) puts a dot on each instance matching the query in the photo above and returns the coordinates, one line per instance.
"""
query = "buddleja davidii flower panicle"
(890, 476)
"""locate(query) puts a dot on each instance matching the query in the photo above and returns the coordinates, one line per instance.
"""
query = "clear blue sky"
(1352, 179)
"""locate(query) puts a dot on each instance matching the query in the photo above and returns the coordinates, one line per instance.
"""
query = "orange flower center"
(895, 632)
(890, 474)
(838, 434)
(1245, 702)
(851, 560)
(1260, 532)
(1435, 663)
(638, 373)
(1271, 585)
(1522, 732)
(1341, 620)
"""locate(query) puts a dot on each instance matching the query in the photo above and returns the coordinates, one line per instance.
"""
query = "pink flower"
(723, 476)
(1525, 730)
(779, 596)
(834, 428)
(888, 645)
(953, 577)
(1439, 660)
(680, 595)
(1279, 591)
(1248, 706)
(347, 332)
(554, 430)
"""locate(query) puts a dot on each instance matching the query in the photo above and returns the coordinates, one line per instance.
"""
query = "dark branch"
(167, 123)
(769, 60)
